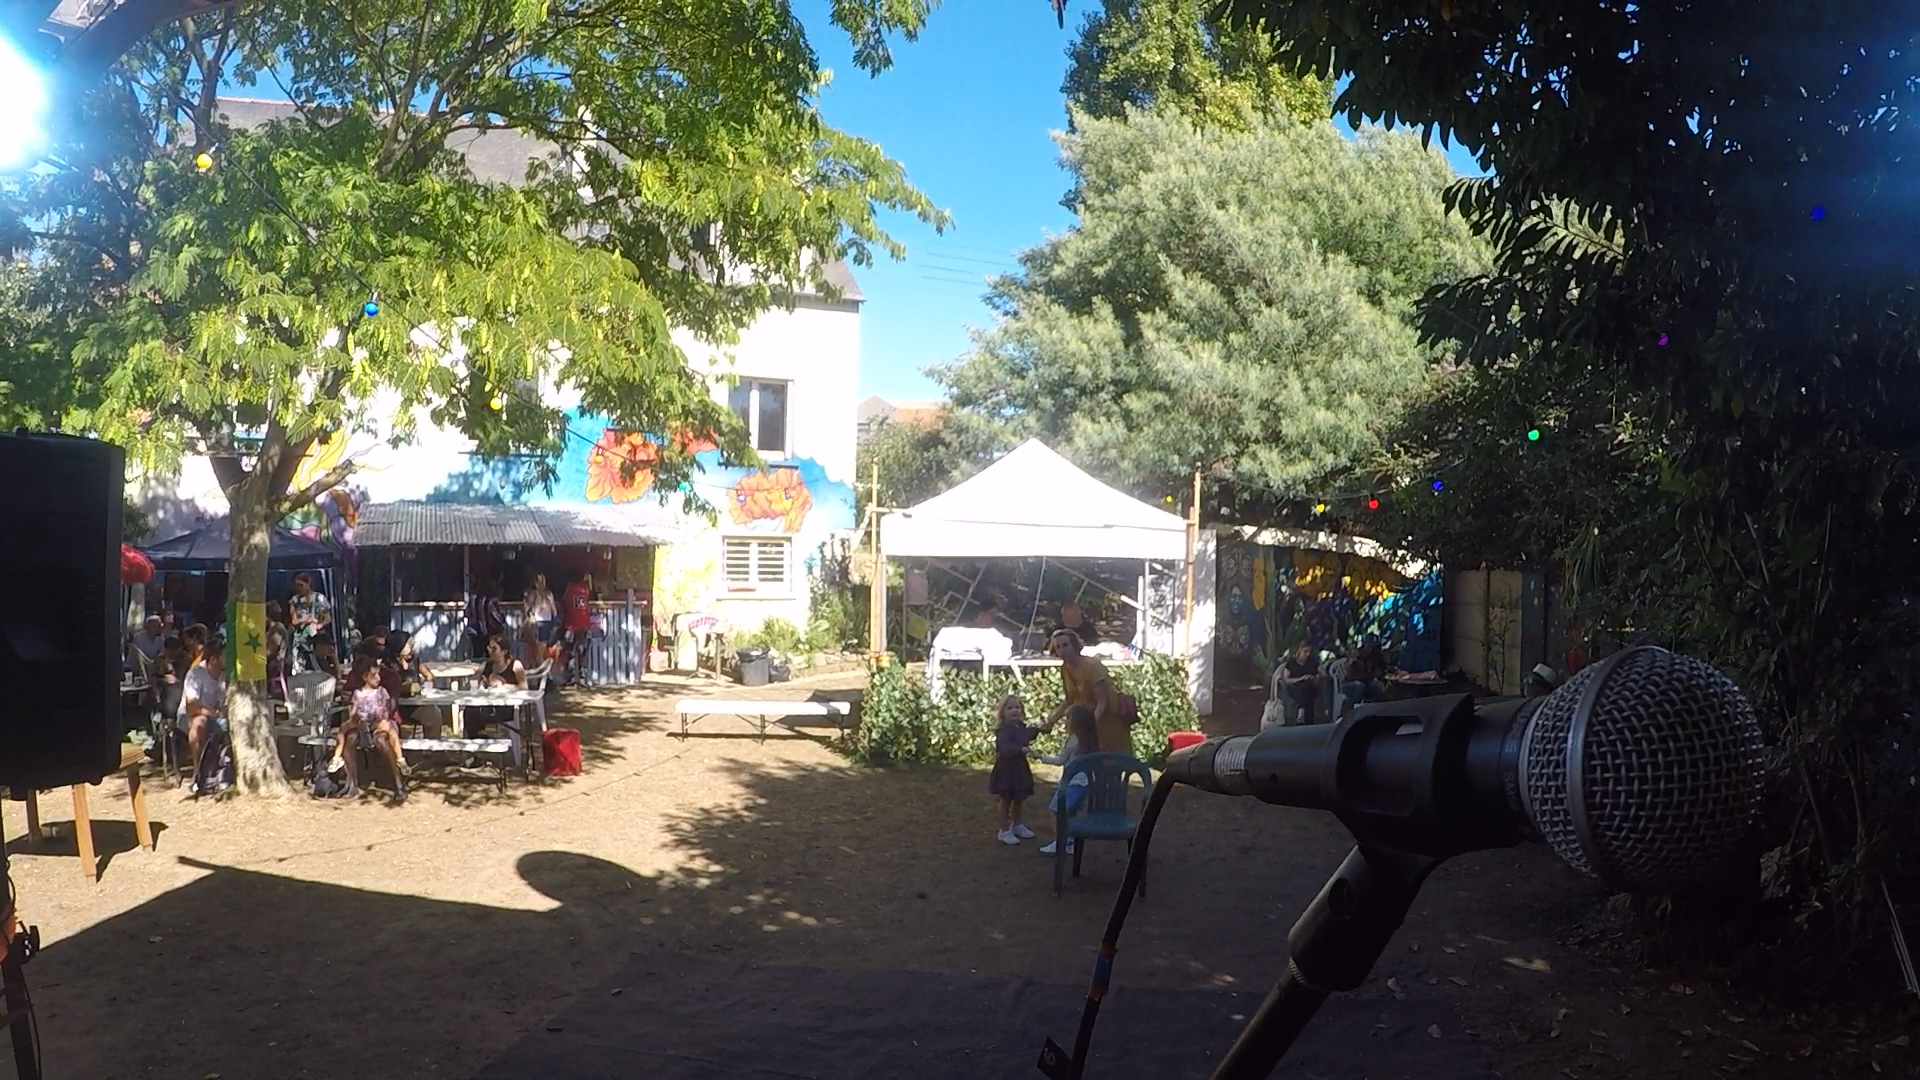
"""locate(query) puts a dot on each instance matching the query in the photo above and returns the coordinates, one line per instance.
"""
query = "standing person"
(312, 617)
(1304, 680)
(1087, 682)
(542, 618)
(1011, 781)
(483, 618)
(578, 619)
(204, 700)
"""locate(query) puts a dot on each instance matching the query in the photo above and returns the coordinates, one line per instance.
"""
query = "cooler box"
(1180, 740)
(560, 752)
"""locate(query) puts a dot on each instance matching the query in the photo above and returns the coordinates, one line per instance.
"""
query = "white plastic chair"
(1337, 679)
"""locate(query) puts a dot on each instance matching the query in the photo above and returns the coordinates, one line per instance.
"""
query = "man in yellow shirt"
(1088, 683)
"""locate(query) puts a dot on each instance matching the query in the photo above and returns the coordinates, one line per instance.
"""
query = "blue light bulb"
(370, 309)
(1439, 486)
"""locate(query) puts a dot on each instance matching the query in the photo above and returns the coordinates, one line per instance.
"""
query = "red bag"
(560, 752)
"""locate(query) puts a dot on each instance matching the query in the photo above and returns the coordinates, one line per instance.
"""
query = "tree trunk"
(256, 757)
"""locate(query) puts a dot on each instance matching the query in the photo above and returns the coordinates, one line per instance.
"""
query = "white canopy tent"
(1033, 503)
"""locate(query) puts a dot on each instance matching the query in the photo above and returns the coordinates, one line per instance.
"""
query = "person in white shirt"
(203, 701)
(150, 637)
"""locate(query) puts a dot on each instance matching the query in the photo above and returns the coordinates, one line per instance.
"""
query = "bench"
(323, 744)
(691, 709)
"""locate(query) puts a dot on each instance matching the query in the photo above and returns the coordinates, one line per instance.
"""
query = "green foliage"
(777, 634)
(1699, 276)
(1240, 301)
(919, 460)
(1180, 56)
(900, 723)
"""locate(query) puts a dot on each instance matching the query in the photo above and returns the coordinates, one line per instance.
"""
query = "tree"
(1180, 55)
(917, 460)
(1239, 301)
(1739, 165)
(346, 262)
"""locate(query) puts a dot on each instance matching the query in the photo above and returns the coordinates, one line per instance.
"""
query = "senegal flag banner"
(247, 644)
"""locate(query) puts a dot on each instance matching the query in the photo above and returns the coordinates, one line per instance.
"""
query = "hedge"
(900, 723)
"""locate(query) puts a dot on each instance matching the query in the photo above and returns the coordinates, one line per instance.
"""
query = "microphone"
(1644, 770)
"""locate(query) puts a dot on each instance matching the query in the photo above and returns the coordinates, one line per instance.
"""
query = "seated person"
(169, 676)
(325, 659)
(503, 670)
(1365, 674)
(412, 677)
(370, 724)
(1072, 618)
(203, 700)
(148, 639)
(1306, 684)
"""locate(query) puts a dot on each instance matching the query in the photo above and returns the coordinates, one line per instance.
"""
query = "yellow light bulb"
(498, 403)
(203, 162)
(1319, 508)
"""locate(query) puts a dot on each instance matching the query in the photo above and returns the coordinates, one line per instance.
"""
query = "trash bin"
(755, 666)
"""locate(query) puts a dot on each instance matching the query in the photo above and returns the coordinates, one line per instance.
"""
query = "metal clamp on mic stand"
(1410, 812)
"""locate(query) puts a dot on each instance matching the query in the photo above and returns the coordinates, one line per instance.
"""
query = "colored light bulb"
(1373, 504)
(370, 309)
(1819, 213)
(1319, 508)
(1663, 339)
(1438, 487)
(1533, 435)
(203, 161)
(498, 403)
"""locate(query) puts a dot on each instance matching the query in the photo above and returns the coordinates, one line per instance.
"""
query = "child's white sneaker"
(1007, 837)
(1051, 846)
(1022, 832)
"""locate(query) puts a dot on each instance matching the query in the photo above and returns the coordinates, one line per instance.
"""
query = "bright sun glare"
(25, 111)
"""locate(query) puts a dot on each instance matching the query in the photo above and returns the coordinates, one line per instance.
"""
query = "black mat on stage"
(681, 1017)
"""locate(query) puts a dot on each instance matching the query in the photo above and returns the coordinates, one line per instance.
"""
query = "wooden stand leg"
(83, 833)
(33, 817)
(142, 831)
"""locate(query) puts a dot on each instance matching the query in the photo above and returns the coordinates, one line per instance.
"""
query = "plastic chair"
(1337, 681)
(1102, 814)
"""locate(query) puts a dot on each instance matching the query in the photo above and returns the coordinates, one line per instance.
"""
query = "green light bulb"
(1533, 435)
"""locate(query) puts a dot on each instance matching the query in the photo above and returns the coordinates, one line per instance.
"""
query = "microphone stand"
(1332, 948)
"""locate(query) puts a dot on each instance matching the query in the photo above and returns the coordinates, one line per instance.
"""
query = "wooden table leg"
(138, 795)
(83, 833)
(33, 817)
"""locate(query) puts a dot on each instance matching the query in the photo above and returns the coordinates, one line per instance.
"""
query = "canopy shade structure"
(1031, 503)
(209, 549)
(407, 524)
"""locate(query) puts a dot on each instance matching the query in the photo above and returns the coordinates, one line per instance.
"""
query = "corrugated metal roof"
(408, 524)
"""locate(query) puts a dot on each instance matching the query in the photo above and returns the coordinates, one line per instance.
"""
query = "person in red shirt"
(576, 617)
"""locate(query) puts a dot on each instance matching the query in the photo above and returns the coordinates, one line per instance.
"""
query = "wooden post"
(1193, 547)
(877, 576)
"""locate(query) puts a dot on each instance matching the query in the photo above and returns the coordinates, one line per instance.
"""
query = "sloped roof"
(1033, 502)
(494, 156)
(414, 524)
(209, 548)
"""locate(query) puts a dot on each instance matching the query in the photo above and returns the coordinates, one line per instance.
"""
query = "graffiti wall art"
(1271, 597)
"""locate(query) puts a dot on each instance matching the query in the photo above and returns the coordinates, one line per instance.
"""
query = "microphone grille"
(1645, 770)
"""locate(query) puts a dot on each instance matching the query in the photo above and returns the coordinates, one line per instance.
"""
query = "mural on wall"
(1271, 597)
(774, 500)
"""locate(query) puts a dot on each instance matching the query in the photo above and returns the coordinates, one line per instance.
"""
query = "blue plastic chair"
(1102, 814)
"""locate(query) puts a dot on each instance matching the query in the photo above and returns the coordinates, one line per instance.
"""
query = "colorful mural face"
(775, 500)
(1273, 597)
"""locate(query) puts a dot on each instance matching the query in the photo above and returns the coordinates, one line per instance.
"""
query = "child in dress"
(1012, 779)
(1083, 737)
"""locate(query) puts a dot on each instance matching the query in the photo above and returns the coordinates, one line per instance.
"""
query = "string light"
(1663, 340)
(370, 308)
(203, 161)
(1819, 213)
(1373, 504)
(1533, 434)
(1439, 486)
(1319, 508)
(498, 403)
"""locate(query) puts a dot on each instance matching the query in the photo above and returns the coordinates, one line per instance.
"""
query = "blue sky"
(969, 110)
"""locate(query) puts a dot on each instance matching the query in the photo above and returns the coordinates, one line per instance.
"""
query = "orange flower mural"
(611, 466)
(773, 495)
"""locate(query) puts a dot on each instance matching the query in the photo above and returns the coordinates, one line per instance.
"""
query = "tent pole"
(1193, 547)
(877, 575)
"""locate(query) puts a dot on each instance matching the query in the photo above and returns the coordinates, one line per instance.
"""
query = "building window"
(762, 406)
(759, 564)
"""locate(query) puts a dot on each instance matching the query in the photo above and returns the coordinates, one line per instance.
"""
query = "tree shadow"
(497, 480)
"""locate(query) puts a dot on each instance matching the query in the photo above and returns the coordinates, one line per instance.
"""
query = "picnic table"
(456, 701)
(757, 712)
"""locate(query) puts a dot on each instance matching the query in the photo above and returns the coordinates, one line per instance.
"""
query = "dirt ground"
(269, 940)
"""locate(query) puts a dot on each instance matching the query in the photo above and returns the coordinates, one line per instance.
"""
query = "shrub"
(900, 723)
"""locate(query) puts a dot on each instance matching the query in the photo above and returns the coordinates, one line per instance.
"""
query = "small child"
(1083, 737)
(1012, 778)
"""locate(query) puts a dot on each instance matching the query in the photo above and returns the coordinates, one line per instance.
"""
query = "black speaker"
(60, 648)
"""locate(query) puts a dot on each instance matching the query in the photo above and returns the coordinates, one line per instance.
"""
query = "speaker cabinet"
(60, 611)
